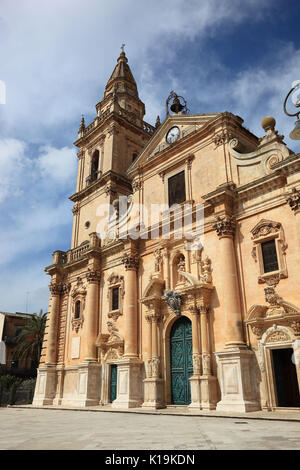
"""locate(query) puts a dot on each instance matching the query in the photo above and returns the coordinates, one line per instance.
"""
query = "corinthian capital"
(55, 288)
(293, 199)
(93, 276)
(225, 227)
(130, 261)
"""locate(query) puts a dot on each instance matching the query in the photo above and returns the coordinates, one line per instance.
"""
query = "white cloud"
(56, 58)
(58, 164)
(12, 164)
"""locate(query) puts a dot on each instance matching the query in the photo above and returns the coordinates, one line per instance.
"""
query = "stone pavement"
(61, 429)
(283, 414)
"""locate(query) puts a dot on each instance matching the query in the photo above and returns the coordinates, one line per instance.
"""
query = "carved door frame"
(265, 347)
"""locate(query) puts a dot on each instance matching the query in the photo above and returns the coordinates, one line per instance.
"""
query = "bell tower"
(107, 147)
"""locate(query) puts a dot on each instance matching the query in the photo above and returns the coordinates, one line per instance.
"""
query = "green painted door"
(181, 354)
(113, 382)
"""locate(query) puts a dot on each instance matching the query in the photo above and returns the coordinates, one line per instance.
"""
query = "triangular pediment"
(187, 124)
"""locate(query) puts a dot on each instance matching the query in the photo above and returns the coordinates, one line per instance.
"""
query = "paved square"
(34, 429)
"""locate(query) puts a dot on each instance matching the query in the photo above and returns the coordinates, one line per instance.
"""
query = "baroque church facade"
(207, 321)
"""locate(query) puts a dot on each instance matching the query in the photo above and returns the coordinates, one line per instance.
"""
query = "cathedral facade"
(181, 283)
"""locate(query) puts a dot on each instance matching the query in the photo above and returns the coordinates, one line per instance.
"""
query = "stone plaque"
(231, 379)
(75, 353)
(123, 382)
(42, 384)
(82, 382)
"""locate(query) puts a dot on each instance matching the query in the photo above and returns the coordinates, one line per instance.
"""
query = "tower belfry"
(108, 146)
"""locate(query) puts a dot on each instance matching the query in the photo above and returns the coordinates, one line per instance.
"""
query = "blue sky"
(56, 57)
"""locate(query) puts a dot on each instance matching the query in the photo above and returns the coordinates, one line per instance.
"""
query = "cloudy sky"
(56, 57)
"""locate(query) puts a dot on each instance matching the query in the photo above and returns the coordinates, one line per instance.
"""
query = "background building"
(11, 325)
(154, 321)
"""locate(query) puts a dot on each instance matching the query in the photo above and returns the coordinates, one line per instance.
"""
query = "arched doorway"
(181, 361)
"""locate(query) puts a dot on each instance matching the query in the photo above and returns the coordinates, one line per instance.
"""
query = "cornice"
(261, 185)
(289, 165)
(112, 116)
(225, 191)
(101, 182)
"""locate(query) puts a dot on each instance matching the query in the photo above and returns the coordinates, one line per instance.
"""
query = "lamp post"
(295, 133)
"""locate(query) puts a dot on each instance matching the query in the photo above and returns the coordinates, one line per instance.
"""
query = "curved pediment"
(256, 312)
(154, 287)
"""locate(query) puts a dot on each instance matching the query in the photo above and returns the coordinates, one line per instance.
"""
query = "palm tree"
(30, 340)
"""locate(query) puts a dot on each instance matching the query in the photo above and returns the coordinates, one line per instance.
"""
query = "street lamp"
(295, 134)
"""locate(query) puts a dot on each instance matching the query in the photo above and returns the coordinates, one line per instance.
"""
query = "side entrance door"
(181, 356)
(113, 382)
(287, 389)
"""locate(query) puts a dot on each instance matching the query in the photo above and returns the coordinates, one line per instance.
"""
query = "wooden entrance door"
(181, 355)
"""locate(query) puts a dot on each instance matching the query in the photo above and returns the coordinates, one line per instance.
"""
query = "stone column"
(208, 381)
(153, 384)
(195, 379)
(235, 362)
(46, 381)
(131, 263)
(55, 289)
(206, 359)
(88, 388)
(129, 386)
(91, 316)
(225, 229)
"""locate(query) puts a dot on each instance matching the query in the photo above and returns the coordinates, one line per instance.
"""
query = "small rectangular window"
(269, 255)
(176, 188)
(115, 298)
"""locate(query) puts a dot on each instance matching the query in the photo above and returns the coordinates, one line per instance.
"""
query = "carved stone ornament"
(271, 296)
(56, 288)
(136, 185)
(271, 280)
(131, 261)
(152, 368)
(277, 337)
(77, 323)
(295, 325)
(197, 364)
(155, 362)
(112, 344)
(293, 199)
(148, 368)
(224, 227)
(257, 330)
(264, 228)
(158, 259)
(206, 364)
(223, 138)
(206, 276)
(173, 300)
(79, 289)
(75, 209)
(92, 276)
(110, 189)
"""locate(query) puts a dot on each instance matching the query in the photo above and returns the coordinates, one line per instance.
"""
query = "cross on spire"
(122, 47)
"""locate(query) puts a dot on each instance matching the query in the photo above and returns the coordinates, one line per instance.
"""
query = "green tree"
(30, 340)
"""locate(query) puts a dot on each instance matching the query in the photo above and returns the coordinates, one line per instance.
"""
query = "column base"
(45, 386)
(203, 392)
(153, 393)
(239, 388)
(129, 384)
